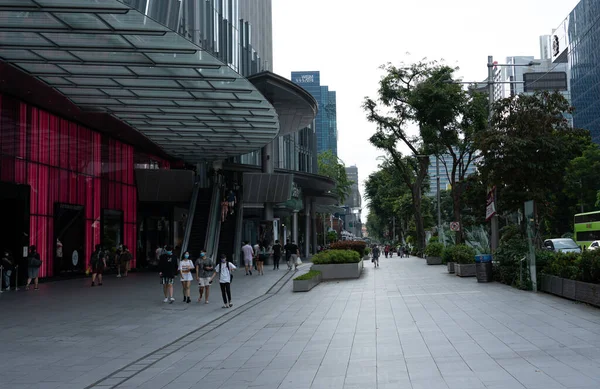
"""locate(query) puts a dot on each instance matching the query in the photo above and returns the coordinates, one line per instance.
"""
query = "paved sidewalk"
(69, 335)
(403, 325)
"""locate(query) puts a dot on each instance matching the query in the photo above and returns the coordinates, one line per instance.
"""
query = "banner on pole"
(490, 209)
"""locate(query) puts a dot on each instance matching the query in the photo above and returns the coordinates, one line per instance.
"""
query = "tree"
(450, 119)
(581, 180)
(393, 114)
(527, 149)
(331, 166)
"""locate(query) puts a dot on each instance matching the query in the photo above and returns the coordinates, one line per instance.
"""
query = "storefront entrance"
(69, 238)
(14, 229)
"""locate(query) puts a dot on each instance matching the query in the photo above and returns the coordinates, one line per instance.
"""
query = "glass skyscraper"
(325, 122)
(576, 41)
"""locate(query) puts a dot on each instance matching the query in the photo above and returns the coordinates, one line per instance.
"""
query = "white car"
(594, 245)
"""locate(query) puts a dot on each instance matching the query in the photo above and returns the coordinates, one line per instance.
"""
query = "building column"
(268, 167)
(307, 227)
(313, 222)
(295, 226)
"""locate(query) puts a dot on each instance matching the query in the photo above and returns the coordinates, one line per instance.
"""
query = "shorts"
(248, 261)
(204, 282)
(167, 280)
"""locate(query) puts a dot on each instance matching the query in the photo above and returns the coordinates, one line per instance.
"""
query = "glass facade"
(77, 178)
(446, 163)
(583, 30)
(326, 121)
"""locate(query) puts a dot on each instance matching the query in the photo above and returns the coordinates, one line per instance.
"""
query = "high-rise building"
(326, 121)
(353, 204)
(446, 163)
(575, 42)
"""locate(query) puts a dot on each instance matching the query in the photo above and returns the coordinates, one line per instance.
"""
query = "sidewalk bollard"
(16, 277)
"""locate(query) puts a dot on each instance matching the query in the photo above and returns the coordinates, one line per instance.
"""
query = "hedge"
(434, 249)
(460, 253)
(355, 245)
(309, 275)
(336, 256)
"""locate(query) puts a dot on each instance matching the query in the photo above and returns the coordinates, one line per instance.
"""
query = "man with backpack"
(98, 262)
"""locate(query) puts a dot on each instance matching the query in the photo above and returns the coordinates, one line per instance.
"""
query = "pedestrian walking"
(277, 248)
(224, 270)
(98, 262)
(288, 254)
(204, 269)
(185, 271)
(167, 267)
(294, 253)
(263, 254)
(255, 252)
(376, 253)
(125, 260)
(386, 250)
(248, 255)
(8, 265)
(34, 262)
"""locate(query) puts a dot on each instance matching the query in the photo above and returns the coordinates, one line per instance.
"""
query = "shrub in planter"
(507, 257)
(336, 256)
(355, 245)
(590, 267)
(434, 249)
(367, 251)
(309, 275)
(460, 253)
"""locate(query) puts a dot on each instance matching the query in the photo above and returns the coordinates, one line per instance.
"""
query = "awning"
(106, 57)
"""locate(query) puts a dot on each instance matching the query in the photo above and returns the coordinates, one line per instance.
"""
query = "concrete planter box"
(306, 285)
(573, 290)
(434, 260)
(339, 270)
(465, 269)
(451, 267)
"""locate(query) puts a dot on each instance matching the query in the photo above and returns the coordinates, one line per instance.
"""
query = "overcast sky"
(347, 43)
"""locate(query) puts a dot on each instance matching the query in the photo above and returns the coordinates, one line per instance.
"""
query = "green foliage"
(307, 276)
(367, 250)
(336, 256)
(332, 236)
(434, 249)
(583, 267)
(581, 181)
(460, 253)
(509, 267)
(331, 166)
(527, 149)
(356, 245)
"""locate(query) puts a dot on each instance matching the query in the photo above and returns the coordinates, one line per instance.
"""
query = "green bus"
(586, 228)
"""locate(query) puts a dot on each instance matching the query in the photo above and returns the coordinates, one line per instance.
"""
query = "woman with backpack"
(34, 262)
(224, 270)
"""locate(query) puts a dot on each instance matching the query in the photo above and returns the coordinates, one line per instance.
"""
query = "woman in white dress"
(185, 270)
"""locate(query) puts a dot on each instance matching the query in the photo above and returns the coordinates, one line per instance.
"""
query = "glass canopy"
(106, 57)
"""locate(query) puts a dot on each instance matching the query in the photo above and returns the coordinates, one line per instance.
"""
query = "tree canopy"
(331, 166)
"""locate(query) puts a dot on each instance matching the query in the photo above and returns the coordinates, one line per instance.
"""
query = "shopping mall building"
(150, 122)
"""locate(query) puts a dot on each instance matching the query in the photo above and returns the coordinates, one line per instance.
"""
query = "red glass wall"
(64, 162)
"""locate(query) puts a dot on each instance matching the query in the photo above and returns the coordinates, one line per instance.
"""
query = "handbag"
(298, 261)
(34, 262)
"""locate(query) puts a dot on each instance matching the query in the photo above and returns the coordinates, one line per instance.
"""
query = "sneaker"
(230, 305)
(118, 276)
(206, 302)
(250, 272)
(166, 300)
(225, 306)
(171, 300)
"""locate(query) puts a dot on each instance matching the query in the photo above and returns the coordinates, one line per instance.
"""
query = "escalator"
(227, 237)
(200, 223)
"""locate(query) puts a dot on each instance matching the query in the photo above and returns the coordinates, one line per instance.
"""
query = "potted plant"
(307, 281)
(338, 264)
(448, 260)
(434, 253)
(464, 256)
(366, 254)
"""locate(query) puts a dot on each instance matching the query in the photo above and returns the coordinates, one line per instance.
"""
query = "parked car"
(594, 245)
(562, 245)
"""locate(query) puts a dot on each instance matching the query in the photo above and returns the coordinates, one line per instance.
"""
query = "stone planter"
(451, 267)
(434, 260)
(465, 269)
(339, 270)
(306, 285)
(573, 290)
(587, 293)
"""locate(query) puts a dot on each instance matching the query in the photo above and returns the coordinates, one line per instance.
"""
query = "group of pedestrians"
(169, 267)
(8, 265)
(99, 263)
(260, 253)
